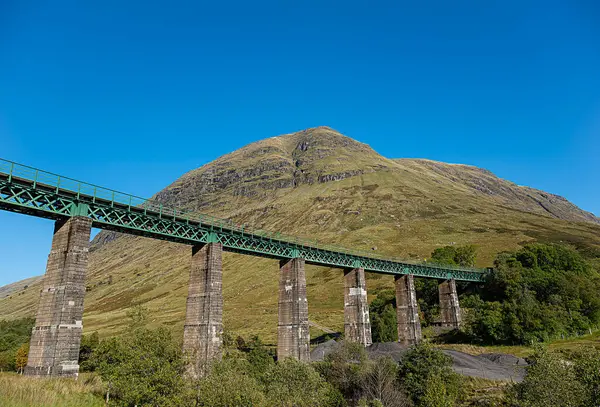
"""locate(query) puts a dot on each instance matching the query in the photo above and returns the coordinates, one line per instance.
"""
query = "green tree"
(550, 381)
(290, 383)
(228, 385)
(537, 293)
(436, 393)
(587, 370)
(428, 297)
(382, 313)
(486, 322)
(13, 334)
(423, 366)
(455, 255)
(346, 368)
(259, 357)
(89, 344)
(144, 368)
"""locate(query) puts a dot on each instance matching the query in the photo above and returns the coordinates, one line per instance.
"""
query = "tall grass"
(21, 391)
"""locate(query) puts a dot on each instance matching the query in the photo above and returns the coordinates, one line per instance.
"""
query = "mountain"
(320, 184)
(10, 289)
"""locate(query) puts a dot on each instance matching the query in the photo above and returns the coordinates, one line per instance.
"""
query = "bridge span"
(76, 207)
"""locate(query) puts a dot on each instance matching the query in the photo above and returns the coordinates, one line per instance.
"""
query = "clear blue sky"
(131, 94)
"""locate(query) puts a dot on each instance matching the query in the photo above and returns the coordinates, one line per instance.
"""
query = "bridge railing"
(95, 193)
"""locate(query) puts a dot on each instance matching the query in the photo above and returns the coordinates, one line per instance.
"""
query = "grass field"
(88, 391)
(21, 391)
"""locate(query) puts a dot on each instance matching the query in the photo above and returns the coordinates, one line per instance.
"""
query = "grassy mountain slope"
(319, 184)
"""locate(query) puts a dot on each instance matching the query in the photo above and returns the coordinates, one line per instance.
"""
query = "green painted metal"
(35, 192)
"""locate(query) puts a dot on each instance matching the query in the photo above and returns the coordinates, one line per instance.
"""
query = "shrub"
(381, 385)
(538, 293)
(21, 357)
(550, 381)
(423, 368)
(345, 368)
(358, 378)
(13, 335)
(382, 313)
(144, 368)
(229, 384)
(291, 383)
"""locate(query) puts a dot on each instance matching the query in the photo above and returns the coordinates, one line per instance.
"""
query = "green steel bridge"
(43, 194)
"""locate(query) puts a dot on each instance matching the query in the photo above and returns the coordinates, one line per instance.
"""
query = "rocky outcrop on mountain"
(261, 168)
(507, 193)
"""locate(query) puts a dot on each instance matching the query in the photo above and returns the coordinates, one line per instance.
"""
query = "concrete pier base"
(357, 325)
(407, 311)
(202, 333)
(293, 336)
(449, 306)
(55, 339)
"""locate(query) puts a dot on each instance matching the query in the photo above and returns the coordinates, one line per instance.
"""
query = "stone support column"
(202, 333)
(56, 336)
(407, 311)
(357, 325)
(293, 335)
(449, 306)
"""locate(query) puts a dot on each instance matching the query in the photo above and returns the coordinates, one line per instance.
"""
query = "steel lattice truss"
(28, 195)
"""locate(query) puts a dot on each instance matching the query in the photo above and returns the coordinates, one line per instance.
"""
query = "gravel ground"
(494, 366)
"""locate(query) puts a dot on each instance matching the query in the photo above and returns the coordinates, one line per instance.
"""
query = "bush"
(229, 384)
(436, 394)
(345, 368)
(144, 368)
(89, 344)
(357, 378)
(550, 381)
(291, 383)
(21, 357)
(13, 335)
(587, 371)
(424, 370)
(538, 293)
(382, 313)
(380, 384)
(455, 255)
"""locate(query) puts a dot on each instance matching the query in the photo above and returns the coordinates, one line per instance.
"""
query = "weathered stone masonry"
(449, 306)
(202, 334)
(407, 310)
(357, 325)
(293, 336)
(55, 339)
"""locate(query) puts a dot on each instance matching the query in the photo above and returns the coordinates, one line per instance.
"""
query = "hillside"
(320, 184)
(16, 287)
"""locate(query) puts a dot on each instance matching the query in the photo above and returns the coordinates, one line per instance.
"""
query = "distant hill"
(19, 286)
(323, 185)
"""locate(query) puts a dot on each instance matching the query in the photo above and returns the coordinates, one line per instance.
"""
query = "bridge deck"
(38, 193)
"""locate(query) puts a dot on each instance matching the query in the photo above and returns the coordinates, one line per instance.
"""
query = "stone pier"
(449, 306)
(407, 310)
(357, 325)
(202, 333)
(55, 339)
(293, 336)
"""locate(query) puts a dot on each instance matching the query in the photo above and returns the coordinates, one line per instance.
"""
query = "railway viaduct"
(76, 207)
